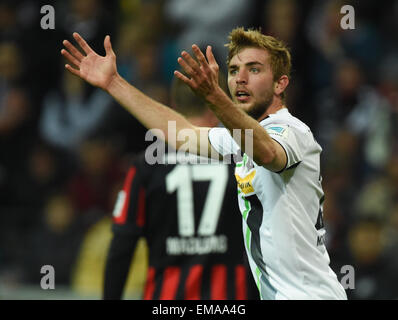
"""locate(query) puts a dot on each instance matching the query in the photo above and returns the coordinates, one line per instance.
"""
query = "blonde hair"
(280, 58)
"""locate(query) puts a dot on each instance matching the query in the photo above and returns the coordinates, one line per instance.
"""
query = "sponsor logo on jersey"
(246, 184)
(279, 130)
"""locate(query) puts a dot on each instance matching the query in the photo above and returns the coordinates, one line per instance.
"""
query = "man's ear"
(281, 84)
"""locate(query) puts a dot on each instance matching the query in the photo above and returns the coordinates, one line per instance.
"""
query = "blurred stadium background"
(64, 145)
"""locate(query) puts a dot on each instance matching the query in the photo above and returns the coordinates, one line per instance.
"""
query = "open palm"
(93, 68)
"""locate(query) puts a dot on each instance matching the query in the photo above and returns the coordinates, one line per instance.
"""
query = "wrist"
(114, 83)
(218, 98)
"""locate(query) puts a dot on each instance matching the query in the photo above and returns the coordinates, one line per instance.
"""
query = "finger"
(70, 58)
(76, 72)
(108, 46)
(187, 68)
(82, 43)
(210, 57)
(72, 49)
(201, 58)
(184, 78)
(191, 62)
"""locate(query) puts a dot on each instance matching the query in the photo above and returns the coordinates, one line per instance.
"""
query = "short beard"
(258, 110)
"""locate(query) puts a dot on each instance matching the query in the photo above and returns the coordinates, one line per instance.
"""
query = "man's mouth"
(242, 95)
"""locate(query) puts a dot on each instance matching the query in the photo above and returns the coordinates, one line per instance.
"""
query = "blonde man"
(277, 159)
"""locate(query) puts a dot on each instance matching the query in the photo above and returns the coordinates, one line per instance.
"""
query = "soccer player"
(278, 172)
(189, 216)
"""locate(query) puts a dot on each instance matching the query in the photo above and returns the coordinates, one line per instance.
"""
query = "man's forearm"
(152, 114)
(235, 118)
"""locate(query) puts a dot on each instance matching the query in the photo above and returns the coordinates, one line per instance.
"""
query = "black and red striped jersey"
(189, 216)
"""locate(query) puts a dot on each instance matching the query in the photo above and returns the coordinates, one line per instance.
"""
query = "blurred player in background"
(190, 219)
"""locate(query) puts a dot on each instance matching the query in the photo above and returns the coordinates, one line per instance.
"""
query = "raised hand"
(203, 74)
(93, 68)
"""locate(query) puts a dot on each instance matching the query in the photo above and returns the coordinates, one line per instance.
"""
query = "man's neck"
(273, 108)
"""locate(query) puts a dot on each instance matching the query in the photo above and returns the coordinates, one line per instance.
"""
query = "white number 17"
(180, 179)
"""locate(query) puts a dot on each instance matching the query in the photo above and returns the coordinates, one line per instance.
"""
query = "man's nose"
(241, 78)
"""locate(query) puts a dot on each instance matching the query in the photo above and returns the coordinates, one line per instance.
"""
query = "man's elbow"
(265, 158)
(272, 161)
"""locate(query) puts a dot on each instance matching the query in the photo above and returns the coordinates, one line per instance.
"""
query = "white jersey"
(282, 213)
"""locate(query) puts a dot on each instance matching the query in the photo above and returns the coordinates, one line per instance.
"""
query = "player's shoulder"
(282, 120)
(151, 175)
(145, 161)
(139, 163)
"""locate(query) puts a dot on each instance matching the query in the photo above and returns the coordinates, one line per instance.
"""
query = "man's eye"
(233, 72)
(254, 70)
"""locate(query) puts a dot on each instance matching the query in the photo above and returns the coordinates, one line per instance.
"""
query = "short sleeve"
(222, 141)
(288, 138)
